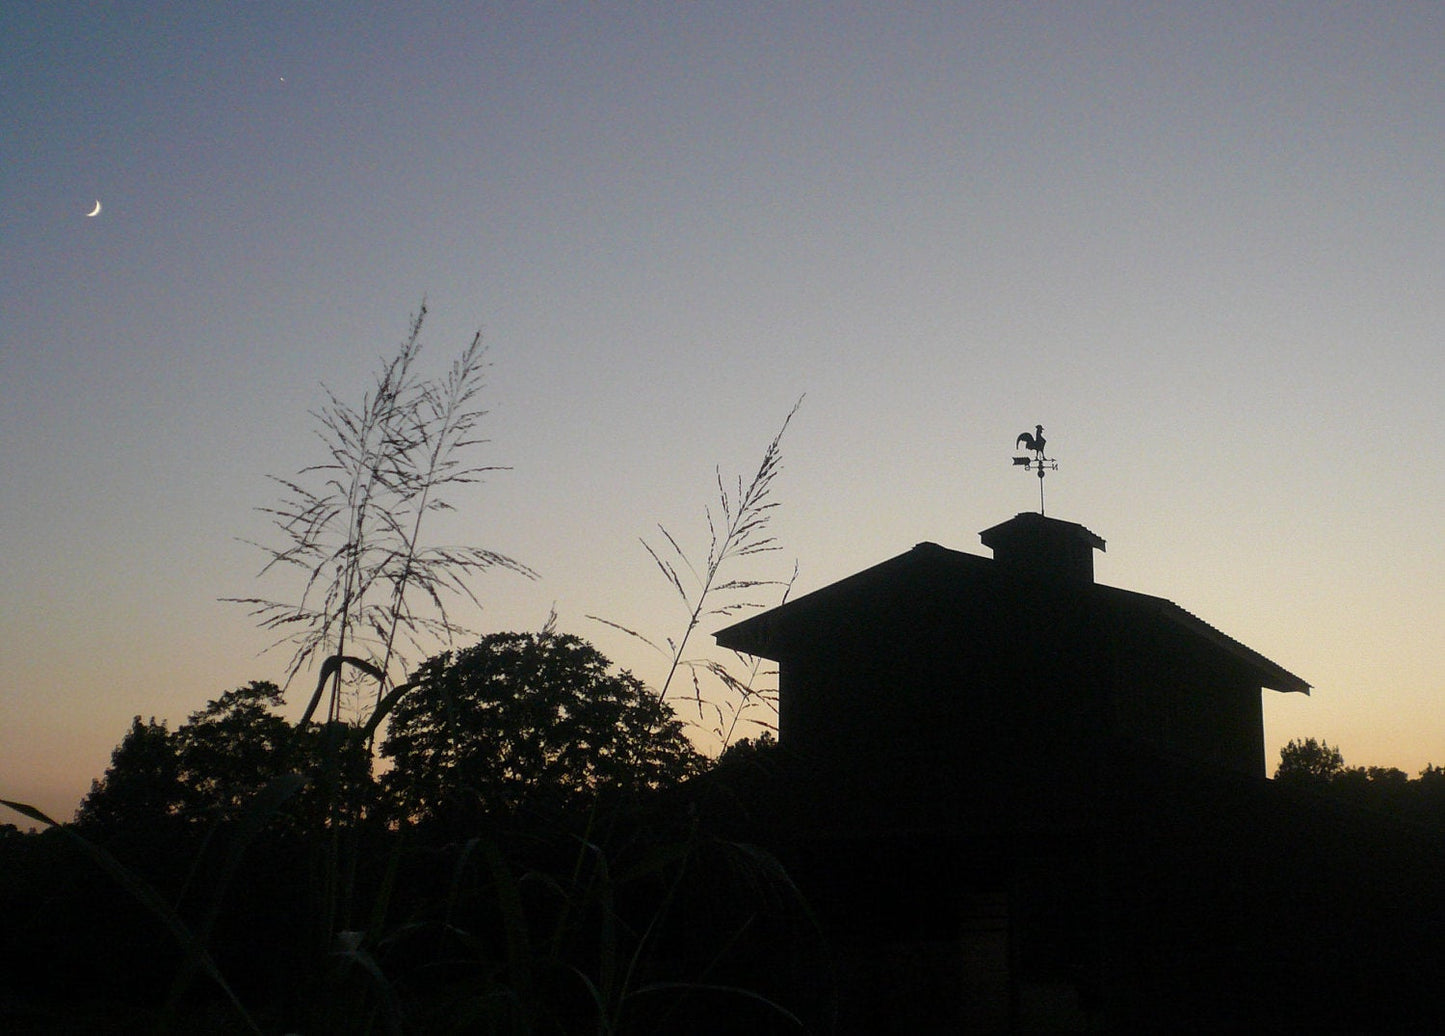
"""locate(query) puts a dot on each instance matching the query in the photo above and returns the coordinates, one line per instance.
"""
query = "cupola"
(1036, 545)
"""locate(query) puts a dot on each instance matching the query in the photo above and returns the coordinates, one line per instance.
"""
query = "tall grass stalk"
(737, 530)
(374, 594)
(354, 523)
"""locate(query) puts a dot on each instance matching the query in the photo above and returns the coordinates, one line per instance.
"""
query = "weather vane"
(1038, 462)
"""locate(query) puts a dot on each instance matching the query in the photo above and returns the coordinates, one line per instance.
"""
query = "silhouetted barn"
(1020, 799)
(940, 685)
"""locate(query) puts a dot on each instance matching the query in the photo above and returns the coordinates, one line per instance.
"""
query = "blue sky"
(1203, 245)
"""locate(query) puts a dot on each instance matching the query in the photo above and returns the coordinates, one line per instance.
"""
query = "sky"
(1203, 245)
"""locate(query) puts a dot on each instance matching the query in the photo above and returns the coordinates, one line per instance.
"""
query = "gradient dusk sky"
(1203, 245)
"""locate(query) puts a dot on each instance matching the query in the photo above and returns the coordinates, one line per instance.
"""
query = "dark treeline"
(1319, 767)
(543, 851)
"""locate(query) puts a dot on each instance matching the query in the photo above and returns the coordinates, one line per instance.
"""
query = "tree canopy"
(213, 765)
(233, 748)
(528, 722)
(1309, 762)
(142, 784)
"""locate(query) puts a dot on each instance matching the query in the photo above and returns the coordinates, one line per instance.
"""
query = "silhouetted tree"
(238, 744)
(1384, 788)
(216, 762)
(750, 751)
(1427, 799)
(233, 748)
(1376, 776)
(141, 786)
(1309, 762)
(534, 721)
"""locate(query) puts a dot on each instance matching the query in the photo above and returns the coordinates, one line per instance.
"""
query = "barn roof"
(930, 572)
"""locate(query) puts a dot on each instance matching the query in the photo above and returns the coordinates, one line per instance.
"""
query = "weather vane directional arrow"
(1038, 462)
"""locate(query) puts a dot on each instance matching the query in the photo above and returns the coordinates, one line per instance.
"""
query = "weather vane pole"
(1038, 462)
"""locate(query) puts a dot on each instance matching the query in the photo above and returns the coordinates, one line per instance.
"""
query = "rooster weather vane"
(1038, 462)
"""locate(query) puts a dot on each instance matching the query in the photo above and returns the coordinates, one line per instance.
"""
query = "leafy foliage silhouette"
(1319, 766)
(528, 721)
(215, 765)
(142, 787)
(1309, 762)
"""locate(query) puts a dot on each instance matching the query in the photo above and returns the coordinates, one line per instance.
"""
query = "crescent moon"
(95, 211)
